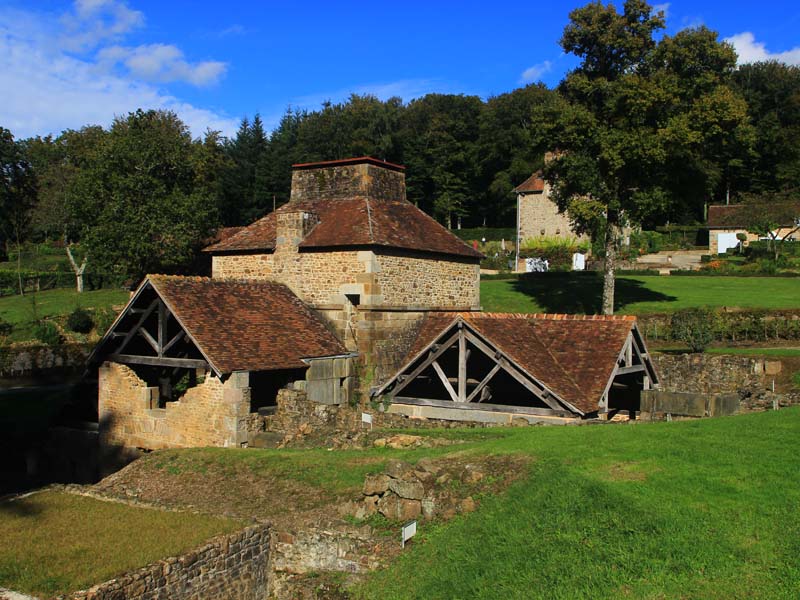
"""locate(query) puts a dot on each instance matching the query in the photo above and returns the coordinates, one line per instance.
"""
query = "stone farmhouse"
(346, 291)
(725, 221)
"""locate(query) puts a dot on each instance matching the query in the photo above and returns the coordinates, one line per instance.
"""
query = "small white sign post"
(409, 530)
(366, 418)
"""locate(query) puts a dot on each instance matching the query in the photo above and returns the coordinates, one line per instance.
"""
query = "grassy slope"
(638, 295)
(778, 352)
(22, 311)
(56, 543)
(696, 509)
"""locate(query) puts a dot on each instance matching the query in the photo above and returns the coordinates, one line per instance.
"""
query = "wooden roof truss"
(633, 358)
(463, 336)
(148, 318)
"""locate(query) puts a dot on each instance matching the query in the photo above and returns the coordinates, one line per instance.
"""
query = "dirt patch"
(625, 471)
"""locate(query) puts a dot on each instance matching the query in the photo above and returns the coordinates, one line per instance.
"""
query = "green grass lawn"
(23, 311)
(693, 509)
(54, 543)
(581, 293)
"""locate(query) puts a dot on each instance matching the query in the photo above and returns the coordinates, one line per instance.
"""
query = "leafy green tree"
(772, 92)
(631, 122)
(141, 205)
(17, 195)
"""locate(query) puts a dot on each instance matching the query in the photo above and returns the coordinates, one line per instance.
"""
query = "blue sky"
(68, 64)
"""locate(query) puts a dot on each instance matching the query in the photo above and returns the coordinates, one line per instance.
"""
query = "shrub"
(5, 328)
(694, 327)
(80, 321)
(47, 333)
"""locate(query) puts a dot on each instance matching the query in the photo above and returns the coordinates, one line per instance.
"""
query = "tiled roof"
(573, 355)
(534, 183)
(246, 326)
(355, 222)
(742, 215)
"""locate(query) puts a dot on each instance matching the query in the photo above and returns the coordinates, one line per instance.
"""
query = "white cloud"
(48, 88)
(535, 72)
(95, 21)
(664, 7)
(749, 50)
(162, 63)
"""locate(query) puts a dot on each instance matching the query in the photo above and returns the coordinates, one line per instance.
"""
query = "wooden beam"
(159, 361)
(631, 369)
(441, 349)
(146, 313)
(163, 314)
(540, 392)
(529, 410)
(448, 386)
(180, 335)
(462, 366)
(153, 343)
(483, 382)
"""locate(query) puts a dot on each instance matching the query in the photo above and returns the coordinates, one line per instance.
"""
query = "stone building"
(348, 268)
(353, 248)
(348, 286)
(726, 221)
(537, 213)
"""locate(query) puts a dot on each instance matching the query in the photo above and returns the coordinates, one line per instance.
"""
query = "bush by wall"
(753, 325)
(80, 321)
(47, 333)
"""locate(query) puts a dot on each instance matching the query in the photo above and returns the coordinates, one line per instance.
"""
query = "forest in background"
(144, 186)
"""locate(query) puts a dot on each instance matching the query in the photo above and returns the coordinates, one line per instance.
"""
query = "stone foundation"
(229, 567)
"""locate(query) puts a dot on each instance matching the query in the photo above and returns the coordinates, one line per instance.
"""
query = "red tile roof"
(534, 183)
(246, 326)
(743, 215)
(573, 355)
(355, 222)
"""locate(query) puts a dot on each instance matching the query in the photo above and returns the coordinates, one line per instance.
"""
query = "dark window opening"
(354, 299)
(625, 392)
(264, 386)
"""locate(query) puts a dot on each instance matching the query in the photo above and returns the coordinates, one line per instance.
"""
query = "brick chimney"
(363, 177)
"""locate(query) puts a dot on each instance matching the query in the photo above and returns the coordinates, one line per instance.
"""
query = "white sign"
(366, 418)
(409, 531)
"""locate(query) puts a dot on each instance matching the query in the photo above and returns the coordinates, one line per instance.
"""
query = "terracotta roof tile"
(534, 183)
(740, 215)
(246, 326)
(573, 355)
(355, 222)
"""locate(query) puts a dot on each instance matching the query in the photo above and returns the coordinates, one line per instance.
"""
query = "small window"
(354, 299)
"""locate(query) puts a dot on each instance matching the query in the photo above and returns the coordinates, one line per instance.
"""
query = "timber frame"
(633, 358)
(167, 342)
(461, 334)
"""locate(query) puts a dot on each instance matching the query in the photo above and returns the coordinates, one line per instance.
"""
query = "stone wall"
(379, 279)
(24, 361)
(213, 413)
(714, 373)
(539, 217)
(253, 267)
(229, 567)
(348, 181)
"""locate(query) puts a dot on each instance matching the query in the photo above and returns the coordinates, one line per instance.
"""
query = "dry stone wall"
(227, 568)
(252, 267)
(213, 413)
(712, 374)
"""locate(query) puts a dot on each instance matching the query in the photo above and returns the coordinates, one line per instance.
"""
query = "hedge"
(491, 234)
(729, 326)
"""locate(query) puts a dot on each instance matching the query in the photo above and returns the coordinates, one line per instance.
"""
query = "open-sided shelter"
(490, 366)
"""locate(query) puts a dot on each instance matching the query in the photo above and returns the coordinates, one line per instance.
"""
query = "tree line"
(647, 129)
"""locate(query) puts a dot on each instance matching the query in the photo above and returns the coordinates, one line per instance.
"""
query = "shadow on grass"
(583, 292)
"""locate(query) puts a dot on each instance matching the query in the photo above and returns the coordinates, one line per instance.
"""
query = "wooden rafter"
(462, 338)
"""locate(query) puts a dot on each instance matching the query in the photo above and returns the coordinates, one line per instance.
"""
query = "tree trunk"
(78, 270)
(19, 266)
(610, 265)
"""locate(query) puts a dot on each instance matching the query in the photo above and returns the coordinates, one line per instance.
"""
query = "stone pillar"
(236, 398)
